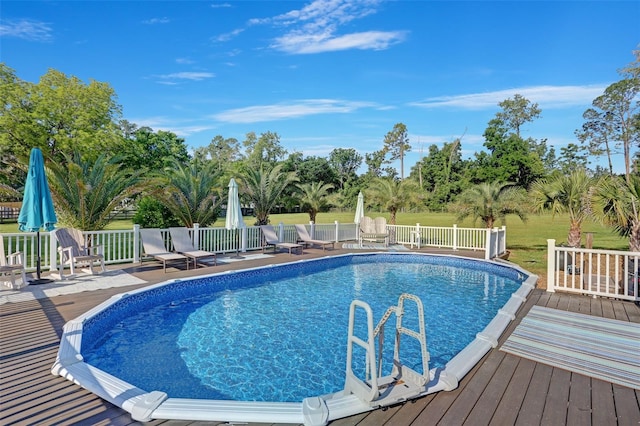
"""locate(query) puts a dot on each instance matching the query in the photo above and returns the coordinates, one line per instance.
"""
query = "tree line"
(96, 160)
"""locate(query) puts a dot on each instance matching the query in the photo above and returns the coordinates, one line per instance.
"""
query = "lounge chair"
(304, 237)
(270, 239)
(153, 246)
(11, 265)
(182, 244)
(74, 252)
(372, 231)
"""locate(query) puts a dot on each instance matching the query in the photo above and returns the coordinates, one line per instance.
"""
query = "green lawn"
(527, 242)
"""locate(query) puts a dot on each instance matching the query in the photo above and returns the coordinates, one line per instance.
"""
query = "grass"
(527, 242)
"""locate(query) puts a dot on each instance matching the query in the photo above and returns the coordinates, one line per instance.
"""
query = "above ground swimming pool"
(270, 344)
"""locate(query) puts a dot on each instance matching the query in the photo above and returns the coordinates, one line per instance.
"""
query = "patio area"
(502, 389)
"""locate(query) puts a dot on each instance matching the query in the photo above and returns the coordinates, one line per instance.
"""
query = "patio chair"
(270, 239)
(10, 266)
(373, 230)
(304, 237)
(153, 246)
(182, 244)
(74, 252)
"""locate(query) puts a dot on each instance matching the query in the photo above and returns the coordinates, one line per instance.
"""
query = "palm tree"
(490, 202)
(616, 202)
(263, 189)
(314, 197)
(392, 195)
(86, 192)
(565, 194)
(191, 192)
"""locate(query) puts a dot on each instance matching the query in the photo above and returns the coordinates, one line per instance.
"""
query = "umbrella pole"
(237, 256)
(39, 280)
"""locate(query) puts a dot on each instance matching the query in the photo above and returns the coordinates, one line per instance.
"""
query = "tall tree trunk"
(634, 236)
(575, 234)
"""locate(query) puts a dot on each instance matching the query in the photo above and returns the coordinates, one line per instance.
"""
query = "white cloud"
(316, 28)
(154, 21)
(26, 29)
(281, 111)
(175, 77)
(545, 96)
(315, 43)
(220, 5)
(185, 61)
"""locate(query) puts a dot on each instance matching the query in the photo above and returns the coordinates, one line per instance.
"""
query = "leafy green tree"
(565, 194)
(491, 202)
(192, 192)
(263, 189)
(441, 174)
(59, 114)
(345, 162)
(151, 213)
(396, 144)
(614, 122)
(510, 159)
(85, 192)
(153, 150)
(265, 150)
(375, 162)
(571, 158)
(222, 151)
(516, 111)
(616, 202)
(314, 197)
(392, 195)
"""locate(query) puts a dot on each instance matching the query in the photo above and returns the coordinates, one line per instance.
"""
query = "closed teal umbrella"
(37, 210)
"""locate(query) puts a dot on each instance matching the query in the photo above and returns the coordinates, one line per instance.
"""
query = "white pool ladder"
(403, 383)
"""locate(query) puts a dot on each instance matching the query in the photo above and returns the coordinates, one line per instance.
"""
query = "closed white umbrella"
(234, 220)
(359, 209)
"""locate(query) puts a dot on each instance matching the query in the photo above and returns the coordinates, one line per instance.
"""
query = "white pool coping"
(316, 411)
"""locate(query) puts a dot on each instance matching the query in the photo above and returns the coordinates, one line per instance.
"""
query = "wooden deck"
(501, 390)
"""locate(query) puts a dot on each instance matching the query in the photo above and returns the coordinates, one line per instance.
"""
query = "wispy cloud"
(220, 5)
(282, 111)
(175, 78)
(316, 28)
(154, 21)
(179, 127)
(546, 96)
(185, 61)
(26, 29)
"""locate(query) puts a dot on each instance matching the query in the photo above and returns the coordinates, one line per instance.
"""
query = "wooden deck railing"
(123, 246)
(606, 273)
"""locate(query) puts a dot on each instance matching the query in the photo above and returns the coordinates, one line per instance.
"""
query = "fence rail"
(124, 246)
(605, 273)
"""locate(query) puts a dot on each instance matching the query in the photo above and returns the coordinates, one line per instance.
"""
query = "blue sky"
(331, 74)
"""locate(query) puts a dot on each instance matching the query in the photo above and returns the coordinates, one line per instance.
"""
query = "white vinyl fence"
(605, 273)
(124, 246)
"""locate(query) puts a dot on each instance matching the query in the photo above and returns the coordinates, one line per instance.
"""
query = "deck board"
(502, 389)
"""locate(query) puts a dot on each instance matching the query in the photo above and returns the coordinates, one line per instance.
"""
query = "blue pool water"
(279, 334)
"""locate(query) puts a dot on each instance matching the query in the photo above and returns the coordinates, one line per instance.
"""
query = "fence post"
(244, 239)
(53, 252)
(551, 265)
(337, 231)
(487, 244)
(503, 240)
(196, 236)
(281, 232)
(313, 229)
(136, 243)
(455, 237)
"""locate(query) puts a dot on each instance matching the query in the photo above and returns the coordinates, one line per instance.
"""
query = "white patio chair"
(303, 236)
(10, 266)
(270, 239)
(153, 245)
(182, 244)
(74, 252)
